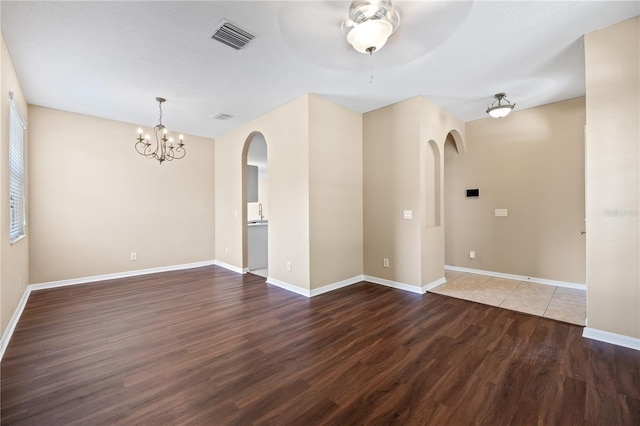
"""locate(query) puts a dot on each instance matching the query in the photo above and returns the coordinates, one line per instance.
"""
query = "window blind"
(16, 172)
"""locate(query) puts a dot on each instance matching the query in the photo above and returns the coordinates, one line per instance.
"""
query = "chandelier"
(500, 110)
(165, 149)
(370, 24)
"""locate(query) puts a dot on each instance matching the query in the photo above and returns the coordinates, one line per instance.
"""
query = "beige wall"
(94, 200)
(286, 130)
(335, 192)
(531, 163)
(14, 258)
(399, 174)
(391, 169)
(613, 157)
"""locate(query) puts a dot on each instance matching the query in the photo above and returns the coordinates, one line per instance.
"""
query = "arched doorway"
(255, 205)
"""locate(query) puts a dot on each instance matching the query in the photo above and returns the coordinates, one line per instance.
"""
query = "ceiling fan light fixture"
(370, 24)
(498, 109)
(370, 35)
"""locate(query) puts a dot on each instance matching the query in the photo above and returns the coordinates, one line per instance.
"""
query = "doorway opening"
(256, 206)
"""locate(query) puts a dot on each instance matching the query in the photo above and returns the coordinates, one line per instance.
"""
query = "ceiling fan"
(331, 34)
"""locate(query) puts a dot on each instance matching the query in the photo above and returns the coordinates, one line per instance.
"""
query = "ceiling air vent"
(222, 116)
(232, 35)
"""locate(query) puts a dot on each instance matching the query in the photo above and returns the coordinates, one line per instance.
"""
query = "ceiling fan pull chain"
(371, 65)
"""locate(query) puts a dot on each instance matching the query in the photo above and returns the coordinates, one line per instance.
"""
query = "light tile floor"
(559, 303)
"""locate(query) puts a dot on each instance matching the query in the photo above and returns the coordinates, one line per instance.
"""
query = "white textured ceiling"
(111, 59)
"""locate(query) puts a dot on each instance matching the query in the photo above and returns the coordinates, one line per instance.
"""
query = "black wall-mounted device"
(473, 193)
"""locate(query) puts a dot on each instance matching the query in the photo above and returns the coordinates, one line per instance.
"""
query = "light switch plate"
(501, 212)
(407, 214)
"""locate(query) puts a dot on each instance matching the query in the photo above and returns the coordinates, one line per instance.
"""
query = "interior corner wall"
(335, 192)
(391, 171)
(612, 58)
(94, 199)
(14, 258)
(286, 131)
(532, 164)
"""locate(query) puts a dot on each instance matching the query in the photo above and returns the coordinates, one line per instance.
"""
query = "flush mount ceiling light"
(498, 109)
(370, 24)
(165, 149)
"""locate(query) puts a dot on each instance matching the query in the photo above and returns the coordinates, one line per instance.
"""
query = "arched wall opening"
(452, 148)
(255, 205)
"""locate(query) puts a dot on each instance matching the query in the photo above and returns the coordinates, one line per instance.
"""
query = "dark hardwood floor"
(208, 346)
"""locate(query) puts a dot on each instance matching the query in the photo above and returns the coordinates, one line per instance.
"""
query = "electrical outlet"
(289, 266)
(226, 250)
(472, 254)
(134, 256)
(385, 262)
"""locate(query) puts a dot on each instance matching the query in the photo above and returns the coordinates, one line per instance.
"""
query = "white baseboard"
(613, 338)
(8, 332)
(117, 275)
(394, 284)
(230, 267)
(289, 287)
(335, 286)
(351, 281)
(316, 291)
(518, 277)
(436, 283)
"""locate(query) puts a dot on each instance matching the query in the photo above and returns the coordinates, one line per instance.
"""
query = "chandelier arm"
(143, 149)
(179, 152)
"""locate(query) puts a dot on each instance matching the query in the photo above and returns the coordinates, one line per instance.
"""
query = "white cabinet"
(252, 184)
(257, 245)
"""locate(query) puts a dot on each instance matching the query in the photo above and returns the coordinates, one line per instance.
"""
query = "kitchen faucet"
(260, 211)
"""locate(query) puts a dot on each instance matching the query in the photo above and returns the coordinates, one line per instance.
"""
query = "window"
(16, 172)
